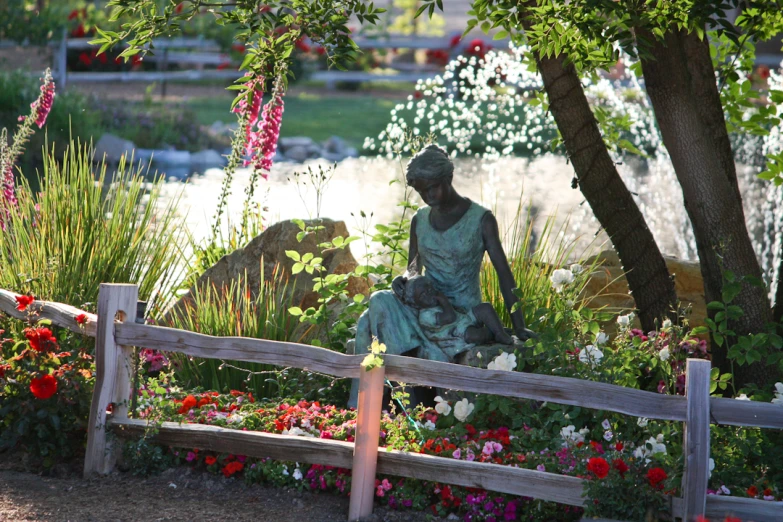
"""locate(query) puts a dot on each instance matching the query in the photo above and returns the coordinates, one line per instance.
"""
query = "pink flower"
(43, 104)
(379, 492)
(488, 448)
(386, 485)
(457, 454)
(191, 456)
(272, 118)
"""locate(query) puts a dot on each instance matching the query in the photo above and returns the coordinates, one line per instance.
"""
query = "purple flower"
(541, 467)
(191, 456)
(457, 454)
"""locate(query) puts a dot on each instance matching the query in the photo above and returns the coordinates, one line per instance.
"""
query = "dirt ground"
(177, 494)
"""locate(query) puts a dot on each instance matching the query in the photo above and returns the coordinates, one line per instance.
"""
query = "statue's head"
(432, 163)
(430, 173)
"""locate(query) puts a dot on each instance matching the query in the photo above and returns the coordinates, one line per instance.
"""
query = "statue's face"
(433, 192)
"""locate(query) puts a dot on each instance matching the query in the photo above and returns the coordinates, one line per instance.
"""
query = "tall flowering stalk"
(9, 154)
(262, 143)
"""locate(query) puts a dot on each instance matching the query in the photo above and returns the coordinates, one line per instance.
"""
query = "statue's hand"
(524, 334)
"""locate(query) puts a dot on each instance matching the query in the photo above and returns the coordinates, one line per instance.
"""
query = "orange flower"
(43, 387)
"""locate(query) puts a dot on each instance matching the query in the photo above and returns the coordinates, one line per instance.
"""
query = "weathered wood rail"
(116, 334)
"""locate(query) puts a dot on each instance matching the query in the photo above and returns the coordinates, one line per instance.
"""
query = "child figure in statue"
(453, 330)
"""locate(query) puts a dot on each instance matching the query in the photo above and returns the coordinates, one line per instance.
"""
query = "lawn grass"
(314, 115)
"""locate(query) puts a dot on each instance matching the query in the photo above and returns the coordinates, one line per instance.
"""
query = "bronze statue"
(448, 239)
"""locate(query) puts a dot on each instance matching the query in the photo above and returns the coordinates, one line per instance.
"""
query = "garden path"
(177, 494)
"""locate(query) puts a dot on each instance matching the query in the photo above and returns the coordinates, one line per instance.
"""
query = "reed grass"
(233, 311)
(87, 226)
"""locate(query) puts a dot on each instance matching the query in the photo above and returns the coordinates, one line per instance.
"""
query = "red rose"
(210, 460)
(620, 466)
(598, 466)
(85, 58)
(81, 318)
(74, 14)
(768, 492)
(454, 42)
(41, 339)
(320, 50)
(43, 387)
(23, 301)
(302, 46)
(655, 476)
(752, 491)
(619, 446)
(78, 32)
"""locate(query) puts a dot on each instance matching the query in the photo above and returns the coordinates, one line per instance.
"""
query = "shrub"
(88, 228)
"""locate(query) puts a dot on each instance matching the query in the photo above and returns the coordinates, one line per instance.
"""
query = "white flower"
(591, 354)
(429, 425)
(570, 435)
(285, 470)
(560, 278)
(606, 424)
(659, 438)
(576, 268)
(298, 474)
(297, 432)
(725, 490)
(441, 406)
(642, 422)
(234, 418)
(608, 435)
(462, 410)
(601, 338)
(625, 320)
(664, 354)
(667, 323)
(778, 394)
(478, 355)
(712, 466)
(742, 397)
(505, 361)
(567, 417)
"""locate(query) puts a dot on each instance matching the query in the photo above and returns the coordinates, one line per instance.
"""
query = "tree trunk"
(680, 81)
(609, 198)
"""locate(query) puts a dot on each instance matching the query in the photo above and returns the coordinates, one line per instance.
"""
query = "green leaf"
(298, 267)
(295, 311)
(700, 330)
(293, 254)
(307, 257)
(718, 339)
(500, 35)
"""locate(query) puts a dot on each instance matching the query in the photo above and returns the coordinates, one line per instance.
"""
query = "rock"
(335, 145)
(208, 158)
(294, 141)
(608, 286)
(297, 153)
(268, 250)
(314, 151)
(112, 148)
(171, 157)
(333, 157)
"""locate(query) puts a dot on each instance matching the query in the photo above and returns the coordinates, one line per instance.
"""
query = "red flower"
(179, 7)
(4, 368)
(455, 40)
(78, 32)
(768, 492)
(655, 476)
(231, 468)
(81, 318)
(223, 65)
(477, 48)
(238, 48)
(136, 59)
(417, 95)
(23, 301)
(620, 466)
(598, 466)
(188, 403)
(74, 14)
(597, 447)
(320, 50)
(763, 71)
(85, 59)
(302, 45)
(619, 446)
(43, 387)
(752, 491)
(41, 339)
(210, 460)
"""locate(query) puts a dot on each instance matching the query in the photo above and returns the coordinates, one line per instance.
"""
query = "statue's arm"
(493, 246)
(413, 249)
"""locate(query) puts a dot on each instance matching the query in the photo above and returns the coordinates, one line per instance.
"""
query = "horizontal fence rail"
(114, 340)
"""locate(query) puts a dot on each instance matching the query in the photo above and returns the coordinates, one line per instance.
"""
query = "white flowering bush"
(505, 361)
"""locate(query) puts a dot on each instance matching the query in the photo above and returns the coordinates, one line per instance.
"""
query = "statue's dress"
(452, 260)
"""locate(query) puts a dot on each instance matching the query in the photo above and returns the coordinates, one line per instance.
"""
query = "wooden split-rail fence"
(117, 336)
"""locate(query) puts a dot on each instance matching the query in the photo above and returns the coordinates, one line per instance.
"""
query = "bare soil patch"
(177, 494)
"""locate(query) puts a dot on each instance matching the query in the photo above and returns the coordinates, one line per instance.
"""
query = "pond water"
(542, 185)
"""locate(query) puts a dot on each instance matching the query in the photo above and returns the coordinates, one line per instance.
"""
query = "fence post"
(365, 450)
(697, 438)
(114, 366)
(61, 61)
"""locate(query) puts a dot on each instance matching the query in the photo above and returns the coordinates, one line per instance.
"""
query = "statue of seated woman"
(448, 239)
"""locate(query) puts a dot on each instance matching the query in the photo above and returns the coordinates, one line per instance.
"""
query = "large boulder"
(268, 250)
(112, 148)
(608, 286)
